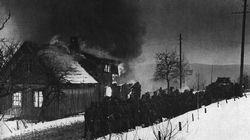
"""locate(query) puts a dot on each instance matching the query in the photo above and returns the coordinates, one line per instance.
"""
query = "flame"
(108, 92)
(121, 69)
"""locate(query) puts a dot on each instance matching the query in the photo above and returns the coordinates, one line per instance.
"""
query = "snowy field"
(9, 129)
(226, 121)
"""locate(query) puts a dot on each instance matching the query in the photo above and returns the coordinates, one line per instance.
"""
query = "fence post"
(217, 104)
(205, 109)
(17, 125)
(110, 135)
(226, 100)
(159, 135)
(234, 98)
(180, 126)
(192, 117)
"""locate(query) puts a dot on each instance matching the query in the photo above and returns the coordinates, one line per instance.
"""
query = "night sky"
(211, 33)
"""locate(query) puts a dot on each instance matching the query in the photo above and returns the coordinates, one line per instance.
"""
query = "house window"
(17, 99)
(107, 68)
(114, 78)
(38, 99)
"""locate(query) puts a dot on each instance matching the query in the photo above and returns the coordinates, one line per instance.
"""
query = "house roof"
(80, 75)
(64, 65)
(68, 67)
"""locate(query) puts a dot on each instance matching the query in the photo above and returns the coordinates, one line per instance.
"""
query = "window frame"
(38, 98)
(107, 68)
(17, 99)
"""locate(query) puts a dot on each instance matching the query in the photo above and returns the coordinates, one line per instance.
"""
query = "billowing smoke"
(112, 25)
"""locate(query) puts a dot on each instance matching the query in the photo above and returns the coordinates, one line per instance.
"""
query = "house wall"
(27, 108)
(5, 103)
(25, 70)
(74, 100)
(96, 68)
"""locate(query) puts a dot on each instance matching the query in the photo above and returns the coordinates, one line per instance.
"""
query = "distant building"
(53, 81)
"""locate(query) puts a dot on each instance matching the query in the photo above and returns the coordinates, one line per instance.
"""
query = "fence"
(167, 129)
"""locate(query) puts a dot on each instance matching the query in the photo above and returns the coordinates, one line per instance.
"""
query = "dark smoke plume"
(112, 25)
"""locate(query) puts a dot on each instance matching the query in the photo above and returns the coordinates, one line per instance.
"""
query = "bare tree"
(167, 67)
(56, 73)
(162, 131)
(5, 21)
(8, 47)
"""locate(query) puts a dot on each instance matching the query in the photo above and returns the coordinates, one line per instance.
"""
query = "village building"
(54, 80)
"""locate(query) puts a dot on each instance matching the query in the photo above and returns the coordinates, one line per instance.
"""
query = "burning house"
(54, 80)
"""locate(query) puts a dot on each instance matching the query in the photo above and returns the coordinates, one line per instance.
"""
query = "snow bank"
(5, 132)
(226, 121)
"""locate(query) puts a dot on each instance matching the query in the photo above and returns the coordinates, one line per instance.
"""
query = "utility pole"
(243, 44)
(180, 39)
(212, 69)
(198, 81)
(242, 41)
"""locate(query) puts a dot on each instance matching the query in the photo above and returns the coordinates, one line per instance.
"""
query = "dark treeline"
(114, 115)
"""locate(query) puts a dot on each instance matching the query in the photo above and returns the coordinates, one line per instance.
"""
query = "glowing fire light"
(108, 91)
(121, 69)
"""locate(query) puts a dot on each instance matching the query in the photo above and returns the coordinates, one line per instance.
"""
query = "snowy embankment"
(224, 121)
(8, 129)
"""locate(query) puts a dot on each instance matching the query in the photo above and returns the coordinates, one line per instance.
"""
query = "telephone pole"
(212, 69)
(180, 39)
(243, 44)
(198, 81)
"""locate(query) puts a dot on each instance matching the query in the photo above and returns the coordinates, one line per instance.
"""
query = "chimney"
(74, 44)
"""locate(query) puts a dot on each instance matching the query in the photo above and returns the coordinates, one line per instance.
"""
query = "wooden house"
(53, 81)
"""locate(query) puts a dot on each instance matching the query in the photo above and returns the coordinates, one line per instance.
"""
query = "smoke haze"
(134, 30)
(112, 25)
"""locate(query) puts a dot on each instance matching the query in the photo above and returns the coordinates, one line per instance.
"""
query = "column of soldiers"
(115, 115)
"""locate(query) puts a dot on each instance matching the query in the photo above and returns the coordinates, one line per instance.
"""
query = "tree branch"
(5, 21)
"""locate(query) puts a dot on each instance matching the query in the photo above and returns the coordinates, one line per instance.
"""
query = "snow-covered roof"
(80, 75)
(65, 66)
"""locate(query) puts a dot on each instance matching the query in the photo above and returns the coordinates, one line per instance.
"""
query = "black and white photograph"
(124, 70)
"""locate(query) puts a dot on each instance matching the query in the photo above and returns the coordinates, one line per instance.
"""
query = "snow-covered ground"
(9, 129)
(229, 121)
